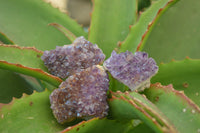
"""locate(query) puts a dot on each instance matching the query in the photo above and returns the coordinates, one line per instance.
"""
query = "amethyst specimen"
(69, 59)
(134, 70)
(82, 95)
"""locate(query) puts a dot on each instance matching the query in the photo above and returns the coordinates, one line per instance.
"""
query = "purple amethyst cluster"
(134, 70)
(70, 59)
(82, 95)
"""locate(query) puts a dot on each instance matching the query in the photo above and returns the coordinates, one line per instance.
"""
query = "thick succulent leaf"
(23, 83)
(184, 75)
(176, 35)
(128, 106)
(140, 31)
(12, 85)
(180, 110)
(26, 56)
(97, 125)
(26, 61)
(26, 23)
(48, 85)
(30, 114)
(4, 39)
(110, 22)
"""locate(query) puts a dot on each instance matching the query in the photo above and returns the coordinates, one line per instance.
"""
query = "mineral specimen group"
(83, 93)
(134, 70)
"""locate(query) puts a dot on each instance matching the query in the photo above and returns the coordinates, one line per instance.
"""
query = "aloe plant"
(38, 94)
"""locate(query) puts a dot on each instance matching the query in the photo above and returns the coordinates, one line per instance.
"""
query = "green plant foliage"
(110, 22)
(142, 4)
(184, 75)
(140, 31)
(176, 34)
(23, 82)
(26, 56)
(30, 62)
(127, 106)
(4, 39)
(178, 108)
(141, 128)
(26, 23)
(65, 31)
(34, 82)
(12, 85)
(96, 125)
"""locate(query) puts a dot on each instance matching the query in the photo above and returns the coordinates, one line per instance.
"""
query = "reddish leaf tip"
(187, 57)
(173, 60)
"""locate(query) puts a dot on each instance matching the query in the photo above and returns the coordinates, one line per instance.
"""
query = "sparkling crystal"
(134, 70)
(69, 59)
(87, 97)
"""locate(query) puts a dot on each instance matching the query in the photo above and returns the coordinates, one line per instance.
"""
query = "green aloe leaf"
(34, 82)
(110, 22)
(12, 85)
(19, 83)
(179, 109)
(140, 31)
(97, 125)
(30, 114)
(184, 75)
(128, 106)
(65, 31)
(5, 39)
(26, 61)
(27, 56)
(176, 34)
(26, 23)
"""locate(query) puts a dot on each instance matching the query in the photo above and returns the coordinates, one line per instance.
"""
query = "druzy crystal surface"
(82, 95)
(134, 70)
(69, 59)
